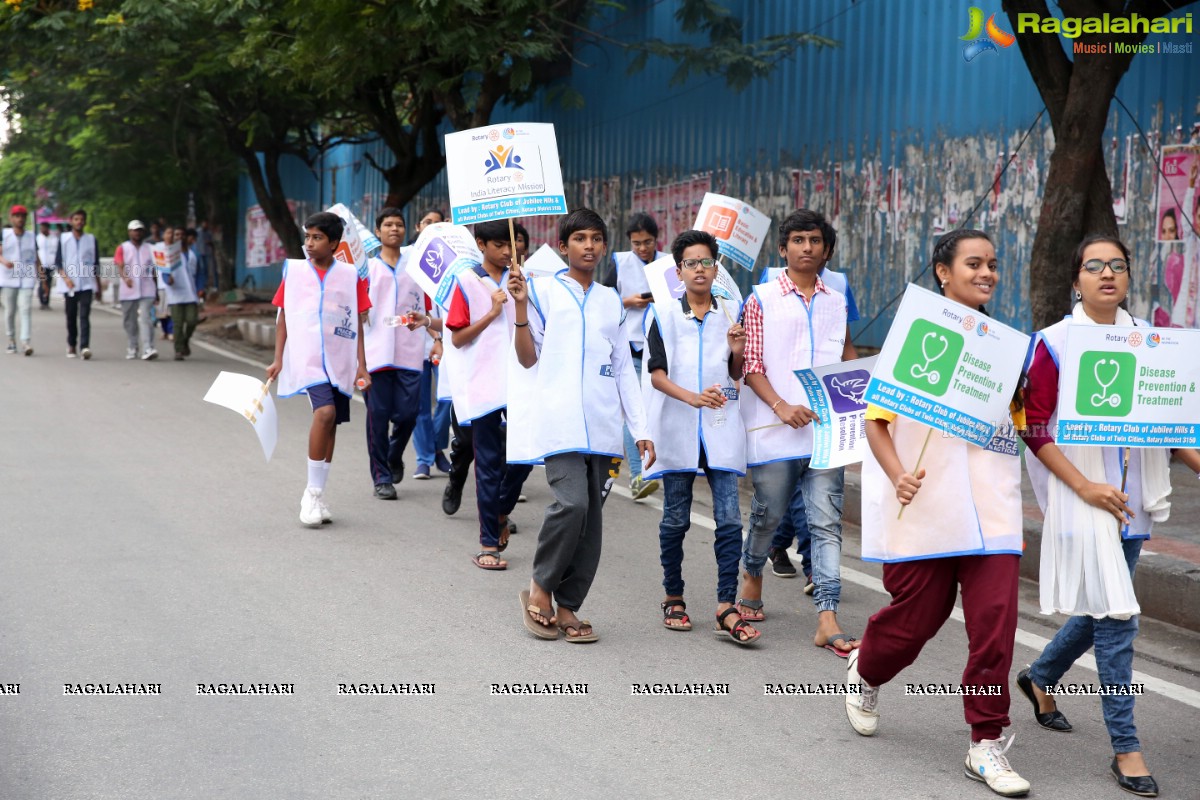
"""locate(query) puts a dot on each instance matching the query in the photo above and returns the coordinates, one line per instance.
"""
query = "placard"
(432, 257)
(739, 228)
(251, 398)
(502, 171)
(1129, 387)
(837, 394)
(167, 257)
(951, 368)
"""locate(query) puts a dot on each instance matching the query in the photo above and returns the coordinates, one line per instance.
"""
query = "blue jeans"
(433, 431)
(775, 487)
(631, 452)
(677, 518)
(795, 526)
(1113, 640)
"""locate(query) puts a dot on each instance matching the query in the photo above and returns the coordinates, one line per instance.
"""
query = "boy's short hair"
(688, 238)
(327, 223)
(582, 219)
(803, 219)
(641, 221)
(431, 210)
(79, 212)
(494, 230)
(520, 231)
(390, 211)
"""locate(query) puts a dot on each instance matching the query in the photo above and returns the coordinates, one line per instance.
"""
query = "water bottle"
(718, 414)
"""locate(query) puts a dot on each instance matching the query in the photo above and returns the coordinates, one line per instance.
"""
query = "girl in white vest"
(76, 264)
(694, 352)
(571, 383)
(628, 277)
(792, 323)
(480, 320)
(20, 271)
(319, 347)
(1077, 489)
(395, 354)
(137, 290)
(963, 529)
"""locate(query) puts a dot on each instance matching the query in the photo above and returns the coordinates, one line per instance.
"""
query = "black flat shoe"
(1051, 721)
(1141, 785)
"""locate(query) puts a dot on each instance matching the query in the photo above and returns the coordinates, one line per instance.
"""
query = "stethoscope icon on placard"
(923, 371)
(1101, 397)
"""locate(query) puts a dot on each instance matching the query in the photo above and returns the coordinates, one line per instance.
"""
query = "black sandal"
(679, 615)
(738, 629)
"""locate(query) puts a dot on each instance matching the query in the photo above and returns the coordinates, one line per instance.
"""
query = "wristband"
(428, 322)
(777, 402)
(520, 324)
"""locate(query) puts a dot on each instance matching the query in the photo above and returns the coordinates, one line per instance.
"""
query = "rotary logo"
(968, 323)
(494, 136)
(1135, 339)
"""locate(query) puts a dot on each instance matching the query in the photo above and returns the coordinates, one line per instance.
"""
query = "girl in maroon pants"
(964, 529)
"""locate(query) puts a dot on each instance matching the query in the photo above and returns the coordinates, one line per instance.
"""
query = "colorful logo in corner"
(1153, 340)
(720, 222)
(981, 37)
(509, 133)
(434, 259)
(928, 357)
(501, 157)
(968, 322)
(983, 329)
(343, 329)
(1135, 339)
(1105, 386)
(848, 390)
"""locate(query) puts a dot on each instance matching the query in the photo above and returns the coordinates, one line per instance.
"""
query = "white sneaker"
(70, 352)
(861, 709)
(86, 353)
(131, 354)
(310, 508)
(150, 355)
(326, 516)
(986, 762)
(27, 349)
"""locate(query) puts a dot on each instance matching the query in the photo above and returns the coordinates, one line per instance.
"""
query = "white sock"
(316, 474)
(325, 465)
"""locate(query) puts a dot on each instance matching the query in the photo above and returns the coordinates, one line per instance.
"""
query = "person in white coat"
(20, 273)
(573, 385)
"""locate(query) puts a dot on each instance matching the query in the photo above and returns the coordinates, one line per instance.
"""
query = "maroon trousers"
(923, 594)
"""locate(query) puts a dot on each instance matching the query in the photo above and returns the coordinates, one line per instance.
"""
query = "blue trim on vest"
(944, 555)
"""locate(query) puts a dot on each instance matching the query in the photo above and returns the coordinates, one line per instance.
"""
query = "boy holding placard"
(324, 299)
(795, 322)
(395, 355)
(579, 371)
(481, 323)
(694, 357)
(628, 277)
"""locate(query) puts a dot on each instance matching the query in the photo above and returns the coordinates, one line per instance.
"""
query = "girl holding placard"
(957, 487)
(1077, 490)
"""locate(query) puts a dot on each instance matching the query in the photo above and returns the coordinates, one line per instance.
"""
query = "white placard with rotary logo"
(1129, 386)
(504, 171)
(952, 368)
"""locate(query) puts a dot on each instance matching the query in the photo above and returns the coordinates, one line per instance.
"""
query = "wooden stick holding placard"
(512, 238)
(917, 468)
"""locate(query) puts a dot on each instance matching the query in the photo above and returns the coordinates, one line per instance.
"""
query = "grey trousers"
(568, 546)
(136, 316)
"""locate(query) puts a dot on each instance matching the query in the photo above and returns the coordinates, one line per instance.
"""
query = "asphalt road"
(145, 541)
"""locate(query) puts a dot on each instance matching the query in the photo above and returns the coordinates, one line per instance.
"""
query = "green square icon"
(1105, 386)
(929, 357)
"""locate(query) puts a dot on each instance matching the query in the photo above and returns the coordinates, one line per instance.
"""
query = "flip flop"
(838, 637)
(499, 565)
(532, 625)
(578, 625)
(750, 610)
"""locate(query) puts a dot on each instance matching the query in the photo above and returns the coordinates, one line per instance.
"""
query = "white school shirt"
(631, 279)
(22, 252)
(478, 372)
(573, 399)
(393, 293)
(78, 260)
(796, 335)
(697, 358)
(322, 327)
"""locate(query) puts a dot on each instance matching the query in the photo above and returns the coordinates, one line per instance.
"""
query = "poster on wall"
(674, 206)
(1176, 212)
(263, 247)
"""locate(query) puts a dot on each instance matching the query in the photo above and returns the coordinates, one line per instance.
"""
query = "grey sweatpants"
(568, 546)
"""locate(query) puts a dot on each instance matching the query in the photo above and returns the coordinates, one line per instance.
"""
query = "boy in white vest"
(480, 321)
(179, 286)
(77, 264)
(47, 245)
(694, 357)
(324, 300)
(577, 372)
(137, 290)
(20, 273)
(395, 356)
(628, 277)
(794, 322)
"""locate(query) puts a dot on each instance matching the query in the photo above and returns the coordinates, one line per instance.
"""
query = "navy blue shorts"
(323, 394)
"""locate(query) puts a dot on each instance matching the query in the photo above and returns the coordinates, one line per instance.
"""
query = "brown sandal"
(528, 609)
(580, 637)
(742, 632)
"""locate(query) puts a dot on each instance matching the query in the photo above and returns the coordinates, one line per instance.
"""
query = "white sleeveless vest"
(322, 327)
(478, 377)
(139, 265)
(697, 358)
(1055, 339)
(182, 289)
(631, 279)
(795, 336)
(79, 262)
(571, 400)
(22, 252)
(393, 293)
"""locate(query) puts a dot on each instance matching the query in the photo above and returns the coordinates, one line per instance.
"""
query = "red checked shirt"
(752, 321)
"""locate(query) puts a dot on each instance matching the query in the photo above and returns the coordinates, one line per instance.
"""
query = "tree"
(1078, 196)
